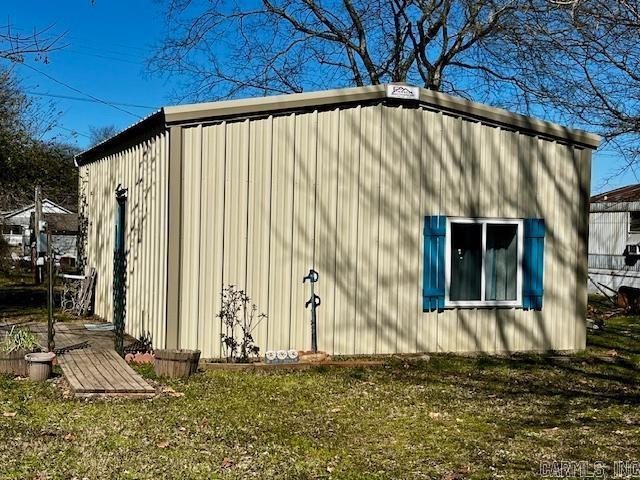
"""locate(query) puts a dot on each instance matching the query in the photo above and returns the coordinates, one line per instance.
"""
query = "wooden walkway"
(91, 371)
(88, 359)
(69, 335)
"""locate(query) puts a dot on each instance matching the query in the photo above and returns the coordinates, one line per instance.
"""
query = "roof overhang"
(252, 107)
(614, 207)
(151, 122)
(428, 98)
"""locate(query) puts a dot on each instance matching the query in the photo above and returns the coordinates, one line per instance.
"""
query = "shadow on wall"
(367, 235)
(136, 169)
(357, 204)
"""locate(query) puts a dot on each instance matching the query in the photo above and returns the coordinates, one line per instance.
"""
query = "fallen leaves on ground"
(171, 392)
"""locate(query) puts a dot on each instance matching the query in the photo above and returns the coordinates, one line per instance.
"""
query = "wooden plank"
(97, 363)
(71, 373)
(86, 378)
(101, 371)
(101, 361)
(68, 372)
(94, 378)
(72, 367)
(126, 368)
(64, 337)
(121, 379)
(123, 373)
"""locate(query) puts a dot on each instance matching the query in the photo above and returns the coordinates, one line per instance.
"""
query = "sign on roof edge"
(406, 92)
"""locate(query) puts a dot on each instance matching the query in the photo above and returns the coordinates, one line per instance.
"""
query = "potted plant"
(17, 343)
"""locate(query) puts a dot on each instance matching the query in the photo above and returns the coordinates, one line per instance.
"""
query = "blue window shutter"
(533, 264)
(435, 229)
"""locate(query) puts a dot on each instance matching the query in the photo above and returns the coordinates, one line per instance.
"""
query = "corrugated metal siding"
(142, 169)
(613, 262)
(347, 190)
(608, 232)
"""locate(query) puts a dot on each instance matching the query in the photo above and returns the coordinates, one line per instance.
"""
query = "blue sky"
(107, 45)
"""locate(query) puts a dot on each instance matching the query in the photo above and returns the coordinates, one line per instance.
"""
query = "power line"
(75, 132)
(110, 51)
(81, 99)
(127, 47)
(99, 100)
(104, 57)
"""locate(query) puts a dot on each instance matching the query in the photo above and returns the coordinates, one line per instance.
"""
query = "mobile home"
(614, 239)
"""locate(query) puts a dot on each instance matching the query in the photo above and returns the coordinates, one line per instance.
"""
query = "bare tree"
(15, 46)
(100, 134)
(29, 156)
(283, 46)
(579, 60)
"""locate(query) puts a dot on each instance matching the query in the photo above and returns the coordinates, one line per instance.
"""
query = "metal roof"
(59, 223)
(17, 211)
(629, 193)
(250, 107)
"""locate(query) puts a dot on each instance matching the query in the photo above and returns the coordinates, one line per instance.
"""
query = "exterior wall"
(346, 191)
(142, 169)
(608, 234)
(65, 246)
(23, 218)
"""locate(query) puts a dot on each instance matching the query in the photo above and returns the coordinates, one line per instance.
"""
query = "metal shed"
(436, 224)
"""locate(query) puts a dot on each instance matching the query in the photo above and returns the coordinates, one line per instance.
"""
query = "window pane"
(501, 262)
(634, 224)
(466, 261)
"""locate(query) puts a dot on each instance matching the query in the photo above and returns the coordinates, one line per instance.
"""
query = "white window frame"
(448, 303)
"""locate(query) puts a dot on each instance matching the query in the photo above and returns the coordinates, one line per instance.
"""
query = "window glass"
(12, 229)
(501, 262)
(466, 262)
(634, 224)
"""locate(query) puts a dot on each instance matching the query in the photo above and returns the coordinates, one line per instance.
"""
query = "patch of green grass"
(483, 417)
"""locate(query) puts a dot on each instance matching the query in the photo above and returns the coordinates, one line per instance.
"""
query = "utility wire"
(75, 132)
(81, 99)
(105, 57)
(99, 100)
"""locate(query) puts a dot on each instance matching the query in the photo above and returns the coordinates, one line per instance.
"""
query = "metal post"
(50, 330)
(314, 301)
(37, 218)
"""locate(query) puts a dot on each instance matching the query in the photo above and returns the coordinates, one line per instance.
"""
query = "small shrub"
(240, 319)
(20, 339)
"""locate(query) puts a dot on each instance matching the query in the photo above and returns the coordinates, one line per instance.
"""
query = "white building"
(614, 239)
(15, 225)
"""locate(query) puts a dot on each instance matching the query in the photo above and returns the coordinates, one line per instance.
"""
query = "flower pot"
(14, 363)
(176, 363)
(39, 365)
